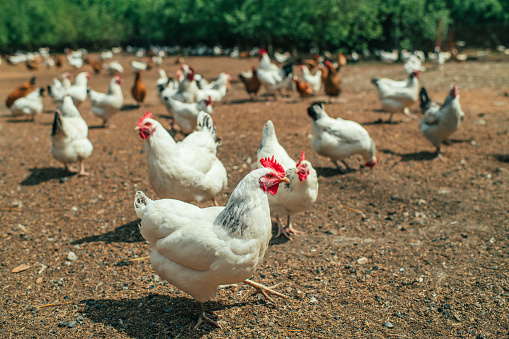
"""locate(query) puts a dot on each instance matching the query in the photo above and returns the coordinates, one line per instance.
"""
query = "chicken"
(95, 63)
(331, 81)
(162, 78)
(32, 65)
(75, 60)
(185, 114)
(139, 90)
(270, 76)
(251, 82)
(59, 60)
(188, 90)
(437, 58)
(312, 63)
(58, 89)
(29, 105)
(314, 80)
(141, 65)
(78, 91)
(296, 196)
(412, 63)
(69, 137)
(396, 98)
(188, 170)
(198, 249)
(440, 122)
(388, 57)
(217, 89)
(303, 88)
(282, 57)
(338, 139)
(105, 105)
(23, 90)
(114, 67)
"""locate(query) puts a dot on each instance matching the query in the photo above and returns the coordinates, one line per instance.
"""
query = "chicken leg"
(264, 290)
(406, 111)
(288, 230)
(82, 171)
(340, 169)
(439, 156)
(203, 317)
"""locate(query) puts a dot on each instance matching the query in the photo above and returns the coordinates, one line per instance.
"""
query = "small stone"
(362, 260)
(74, 208)
(72, 256)
(421, 202)
(62, 180)
(313, 300)
(80, 318)
(444, 190)
(72, 324)
(394, 197)
(447, 306)
(388, 324)
(63, 324)
(456, 317)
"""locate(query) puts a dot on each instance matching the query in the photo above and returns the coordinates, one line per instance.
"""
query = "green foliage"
(325, 24)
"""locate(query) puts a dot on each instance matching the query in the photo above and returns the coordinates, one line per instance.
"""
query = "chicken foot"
(340, 169)
(82, 171)
(288, 230)
(406, 111)
(439, 156)
(264, 290)
(203, 317)
(70, 169)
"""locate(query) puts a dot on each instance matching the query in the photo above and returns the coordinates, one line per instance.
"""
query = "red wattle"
(273, 189)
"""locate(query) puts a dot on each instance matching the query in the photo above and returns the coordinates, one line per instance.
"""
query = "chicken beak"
(297, 171)
(137, 128)
(285, 179)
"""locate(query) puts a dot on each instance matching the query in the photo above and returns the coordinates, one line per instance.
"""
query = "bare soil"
(434, 235)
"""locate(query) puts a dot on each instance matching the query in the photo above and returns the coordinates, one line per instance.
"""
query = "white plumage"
(338, 139)
(78, 91)
(105, 105)
(314, 80)
(29, 105)
(185, 115)
(188, 170)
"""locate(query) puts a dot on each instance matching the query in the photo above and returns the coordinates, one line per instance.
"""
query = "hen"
(270, 76)
(338, 139)
(314, 80)
(251, 82)
(304, 88)
(78, 91)
(440, 122)
(296, 196)
(58, 89)
(188, 91)
(331, 81)
(217, 89)
(397, 98)
(198, 249)
(185, 115)
(22, 90)
(69, 137)
(139, 90)
(105, 105)
(188, 170)
(29, 105)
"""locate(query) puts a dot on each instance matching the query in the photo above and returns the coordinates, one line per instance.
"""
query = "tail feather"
(375, 81)
(424, 99)
(57, 125)
(316, 111)
(204, 122)
(140, 203)
(268, 132)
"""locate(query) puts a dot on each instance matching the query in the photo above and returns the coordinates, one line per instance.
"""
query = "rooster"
(198, 249)
(69, 137)
(139, 90)
(251, 82)
(331, 81)
(440, 122)
(23, 90)
(185, 115)
(338, 139)
(78, 91)
(29, 105)
(396, 97)
(296, 196)
(105, 105)
(188, 170)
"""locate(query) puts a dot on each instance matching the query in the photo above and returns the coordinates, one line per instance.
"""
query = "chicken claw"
(204, 318)
(264, 290)
(288, 230)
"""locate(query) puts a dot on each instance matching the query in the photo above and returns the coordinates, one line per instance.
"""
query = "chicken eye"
(304, 165)
(270, 176)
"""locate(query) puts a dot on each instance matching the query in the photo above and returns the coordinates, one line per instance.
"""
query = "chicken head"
(270, 181)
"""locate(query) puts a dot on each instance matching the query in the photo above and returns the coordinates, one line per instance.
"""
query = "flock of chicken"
(199, 249)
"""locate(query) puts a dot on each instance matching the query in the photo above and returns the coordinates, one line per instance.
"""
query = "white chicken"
(388, 57)
(198, 249)
(397, 98)
(162, 78)
(216, 90)
(78, 91)
(29, 105)
(412, 63)
(296, 196)
(69, 137)
(105, 105)
(440, 122)
(188, 170)
(58, 89)
(188, 90)
(114, 67)
(75, 60)
(270, 76)
(185, 115)
(338, 139)
(140, 65)
(314, 80)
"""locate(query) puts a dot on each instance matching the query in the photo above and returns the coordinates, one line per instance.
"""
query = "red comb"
(145, 116)
(208, 101)
(302, 158)
(272, 163)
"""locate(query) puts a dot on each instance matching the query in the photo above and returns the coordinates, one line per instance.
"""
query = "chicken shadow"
(129, 107)
(129, 233)
(153, 316)
(328, 172)
(502, 157)
(244, 101)
(383, 122)
(40, 175)
(418, 156)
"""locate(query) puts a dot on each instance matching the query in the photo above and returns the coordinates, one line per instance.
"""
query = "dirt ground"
(428, 259)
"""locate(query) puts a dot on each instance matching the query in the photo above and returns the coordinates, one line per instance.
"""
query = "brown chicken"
(179, 60)
(32, 65)
(332, 81)
(252, 83)
(341, 60)
(139, 90)
(304, 88)
(312, 63)
(21, 92)
(96, 64)
(59, 60)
